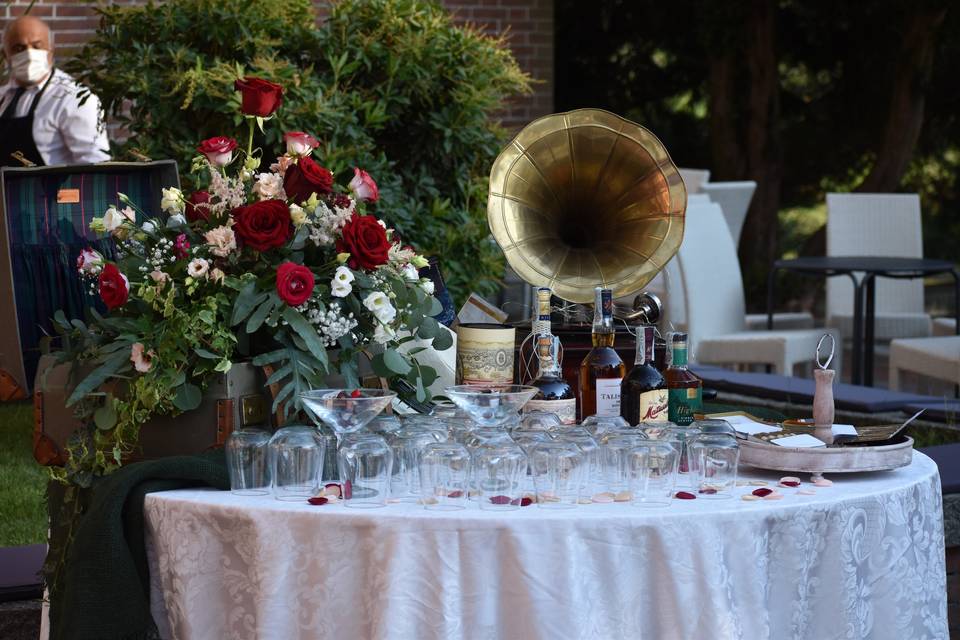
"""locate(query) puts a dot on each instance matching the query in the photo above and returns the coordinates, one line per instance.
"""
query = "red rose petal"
(708, 491)
(347, 490)
(317, 500)
(500, 499)
(685, 495)
(789, 483)
(526, 502)
(455, 494)
(762, 491)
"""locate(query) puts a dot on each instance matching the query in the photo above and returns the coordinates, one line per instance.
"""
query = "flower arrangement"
(287, 266)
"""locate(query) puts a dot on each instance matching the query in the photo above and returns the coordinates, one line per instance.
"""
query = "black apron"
(16, 134)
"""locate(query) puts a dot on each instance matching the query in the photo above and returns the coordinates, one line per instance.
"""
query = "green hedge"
(390, 85)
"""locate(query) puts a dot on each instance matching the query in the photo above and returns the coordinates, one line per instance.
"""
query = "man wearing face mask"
(42, 119)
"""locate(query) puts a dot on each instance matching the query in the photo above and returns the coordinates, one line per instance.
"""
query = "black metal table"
(863, 272)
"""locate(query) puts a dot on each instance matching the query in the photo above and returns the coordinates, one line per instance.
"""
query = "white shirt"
(64, 131)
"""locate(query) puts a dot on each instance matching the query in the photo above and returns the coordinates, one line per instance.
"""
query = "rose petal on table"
(758, 483)
(773, 496)
(709, 491)
(761, 492)
(806, 492)
(623, 496)
(500, 499)
(317, 500)
(603, 498)
(584, 500)
(749, 497)
(526, 502)
(455, 494)
(789, 481)
(428, 501)
(822, 482)
(684, 495)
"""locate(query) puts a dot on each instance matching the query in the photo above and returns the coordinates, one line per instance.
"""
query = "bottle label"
(654, 405)
(683, 403)
(608, 396)
(566, 410)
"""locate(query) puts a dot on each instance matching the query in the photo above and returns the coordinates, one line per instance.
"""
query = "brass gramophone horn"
(584, 199)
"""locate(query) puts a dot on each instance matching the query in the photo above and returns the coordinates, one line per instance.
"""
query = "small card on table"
(800, 440)
(745, 425)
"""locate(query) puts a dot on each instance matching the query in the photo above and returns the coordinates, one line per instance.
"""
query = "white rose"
(297, 214)
(379, 304)
(172, 200)
(198, 267)
(427, 285)
(112, 219)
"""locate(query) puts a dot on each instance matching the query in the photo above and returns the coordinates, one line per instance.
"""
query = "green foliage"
(390, 85)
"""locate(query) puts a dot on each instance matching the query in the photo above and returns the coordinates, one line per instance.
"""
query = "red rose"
(263, 225)
(219, 150)
(294, 283)
(114, 286)
(195, 212)
(306, 178)
(366, 242)
(260, 97)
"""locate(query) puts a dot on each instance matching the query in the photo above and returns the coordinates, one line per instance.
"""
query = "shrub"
(391, 84)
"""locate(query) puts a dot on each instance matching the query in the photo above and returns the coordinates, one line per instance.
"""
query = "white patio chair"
(944, 326)
(734, 198)
(877, 224)
(937, 357)
(693, 179)
(715, 304)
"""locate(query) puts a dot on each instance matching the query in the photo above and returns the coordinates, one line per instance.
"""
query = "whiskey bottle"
(539, 325)
(602, 370)
(683, 388)
(643, 393)
(554, 395)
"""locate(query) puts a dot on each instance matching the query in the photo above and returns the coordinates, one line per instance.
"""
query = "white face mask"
(30, 66)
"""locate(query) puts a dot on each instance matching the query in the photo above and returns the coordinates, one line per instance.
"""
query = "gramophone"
(585, 199)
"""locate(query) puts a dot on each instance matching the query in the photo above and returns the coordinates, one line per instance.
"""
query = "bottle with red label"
(643, 393)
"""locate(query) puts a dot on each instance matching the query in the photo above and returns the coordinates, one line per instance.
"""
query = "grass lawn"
(23, 516)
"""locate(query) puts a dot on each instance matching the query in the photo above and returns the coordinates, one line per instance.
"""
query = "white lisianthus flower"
(112, 219)
(340, 285)
(297, 215)
(380, 305)
(419, 261)
(198, 267)
(221, 241)
(172, 200)
(217, 275)
(149, 227)
(159, 277)
(384, 333)
(410, 273)
(427, 285)
(176, 220)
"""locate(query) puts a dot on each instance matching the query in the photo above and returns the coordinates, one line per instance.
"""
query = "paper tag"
(476, 309)
(608, 396)
(68, 196)
(566, 410)
(802, 440)
(743, 424)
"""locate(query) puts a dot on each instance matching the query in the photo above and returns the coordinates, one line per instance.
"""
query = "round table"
(863, 271)
(861, 559)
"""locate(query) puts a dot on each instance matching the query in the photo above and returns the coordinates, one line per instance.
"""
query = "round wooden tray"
(850, 459)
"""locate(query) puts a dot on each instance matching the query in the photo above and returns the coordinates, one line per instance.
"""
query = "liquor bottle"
(602, 371)
(539, 325)
(684, 389)
(643, 393)
(554, 395)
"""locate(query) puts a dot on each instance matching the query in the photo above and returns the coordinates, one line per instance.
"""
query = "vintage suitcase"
(45, 223)
(233, 400)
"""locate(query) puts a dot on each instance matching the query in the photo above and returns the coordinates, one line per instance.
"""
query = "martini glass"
(490, 405)
(345, 410)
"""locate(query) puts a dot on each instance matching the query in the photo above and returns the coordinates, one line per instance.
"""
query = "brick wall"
(528, 25)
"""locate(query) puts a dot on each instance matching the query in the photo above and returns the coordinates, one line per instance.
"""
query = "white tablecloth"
(862, 559)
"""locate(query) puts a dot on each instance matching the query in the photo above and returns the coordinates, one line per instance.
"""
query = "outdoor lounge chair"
(715, 304)
(734, 199)
(936, 357)
(867, 224)
(693, 179)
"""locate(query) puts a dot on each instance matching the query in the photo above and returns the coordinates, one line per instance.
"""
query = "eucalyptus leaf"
(380, 367)
(395, 362)
(187, 397)
(98, 376)
(307, 332)
(435, 307)
(429, 328)
(443, 341)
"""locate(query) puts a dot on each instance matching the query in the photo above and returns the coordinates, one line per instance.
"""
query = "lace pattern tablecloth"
(862, 559)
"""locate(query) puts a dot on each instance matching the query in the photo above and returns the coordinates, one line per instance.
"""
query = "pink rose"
(142, 361)
(219, 150)
(363, 186)
(89, 261)
(299, 143)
